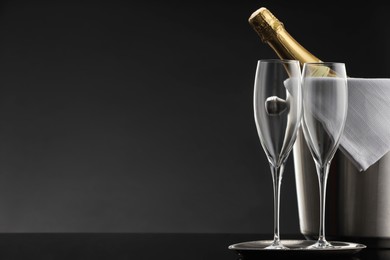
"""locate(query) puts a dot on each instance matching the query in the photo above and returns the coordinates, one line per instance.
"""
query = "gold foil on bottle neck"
(264, 23)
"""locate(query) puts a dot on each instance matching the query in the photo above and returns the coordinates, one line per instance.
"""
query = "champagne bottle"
(273, 32)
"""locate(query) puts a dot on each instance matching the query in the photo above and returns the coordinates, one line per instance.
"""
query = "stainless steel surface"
(357, 203)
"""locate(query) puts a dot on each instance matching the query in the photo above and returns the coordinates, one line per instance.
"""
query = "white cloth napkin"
(366, 136)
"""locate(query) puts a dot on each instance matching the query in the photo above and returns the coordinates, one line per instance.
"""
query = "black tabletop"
(144, 246)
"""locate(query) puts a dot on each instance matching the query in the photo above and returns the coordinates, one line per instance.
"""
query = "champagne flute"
(277, 111)
(325, 103)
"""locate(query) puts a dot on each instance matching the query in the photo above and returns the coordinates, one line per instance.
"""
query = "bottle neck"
(286, 47)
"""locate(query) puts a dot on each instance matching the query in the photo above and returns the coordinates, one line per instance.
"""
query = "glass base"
(276, 245)
(321, 244)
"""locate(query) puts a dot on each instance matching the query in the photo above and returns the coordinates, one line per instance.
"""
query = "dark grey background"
(137, 116)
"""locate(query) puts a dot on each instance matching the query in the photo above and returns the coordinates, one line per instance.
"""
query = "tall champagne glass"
(277, 111)
(325, 102)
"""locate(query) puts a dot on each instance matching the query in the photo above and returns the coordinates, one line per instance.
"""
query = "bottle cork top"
(264, 23)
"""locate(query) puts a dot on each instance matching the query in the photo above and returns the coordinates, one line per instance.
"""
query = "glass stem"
(277, 173)
(322, 172)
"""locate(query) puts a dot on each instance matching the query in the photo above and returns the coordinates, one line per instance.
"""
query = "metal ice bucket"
(357, 203)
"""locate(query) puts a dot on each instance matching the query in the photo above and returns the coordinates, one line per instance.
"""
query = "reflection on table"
(114, 246)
